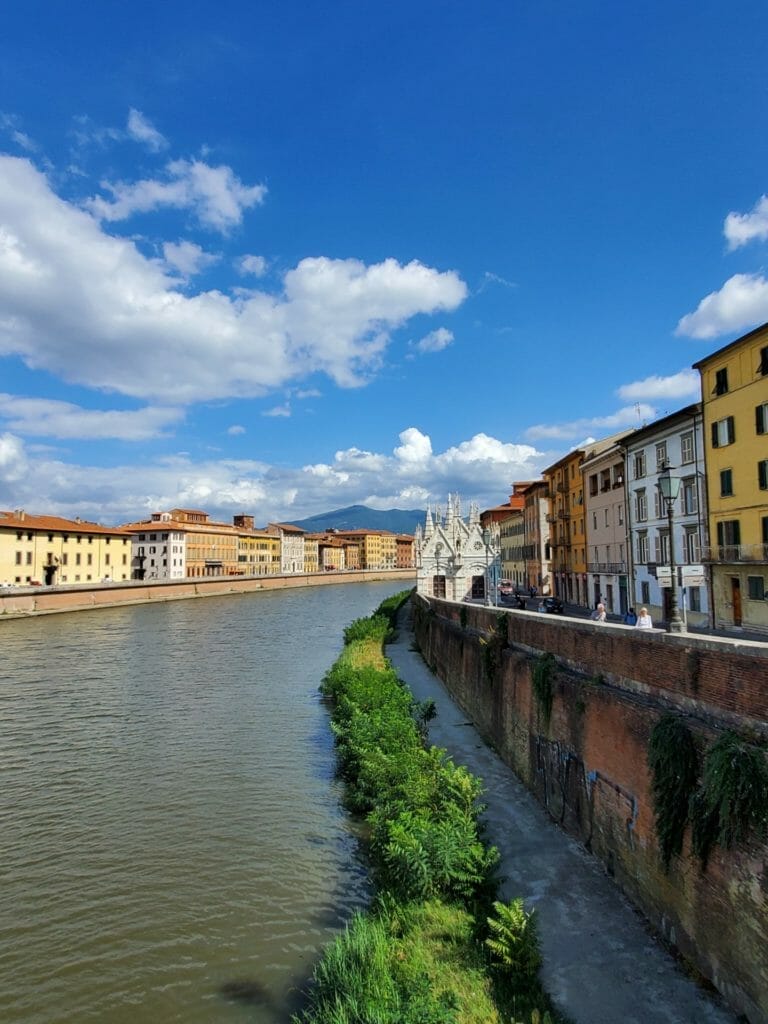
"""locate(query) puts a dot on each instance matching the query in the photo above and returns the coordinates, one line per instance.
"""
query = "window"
(18, 558)
(605, 480)
(689, 497)
(728, 537)
(726, 483)
(29, 558)
(594, 520)
(723, 432)
(763, 367)
(661, 455)
(642, 547)
(90, 558)
(620, 515)
(762, 475)
(593, 484)
(756, 588)
(641, 506)
(662, 547)
(721, 381)
(765, 529)
(78, 556)
(692, 547)
(606, 517)
(761, 418)
(64, 558)
(639, 465)
(50, 538)
(686, 448)
(694, 599)
(645, 592)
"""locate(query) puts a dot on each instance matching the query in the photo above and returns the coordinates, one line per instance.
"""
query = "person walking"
(599, 613)
(630, 619)
(644, 620)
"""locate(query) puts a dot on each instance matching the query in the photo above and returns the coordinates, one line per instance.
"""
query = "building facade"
(291, 546)
(52, 551)
(565, 493)
(734, 388)
(456, 558)
(605, 522)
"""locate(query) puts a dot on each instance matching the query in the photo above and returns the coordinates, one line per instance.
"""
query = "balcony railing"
(729, 553)
(564, 514)
(609, 568)
(551, 517)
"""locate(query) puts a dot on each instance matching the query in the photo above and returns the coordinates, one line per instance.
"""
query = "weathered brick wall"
(588, 763)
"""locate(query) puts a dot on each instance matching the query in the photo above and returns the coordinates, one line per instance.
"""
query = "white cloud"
(278, 410)
(684, 384)
(142, 130)
(187, 257)
(490, 278)
(631, 416)
(235, 430)
(308, 393)
(215, 195)
(255, 265)
(44, 417)
(740, 228)
(412, 475)
(91, 309)
(435, 341)
(741, 303)
(9, 122)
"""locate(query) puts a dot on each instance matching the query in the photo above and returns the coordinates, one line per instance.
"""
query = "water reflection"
(172, 846)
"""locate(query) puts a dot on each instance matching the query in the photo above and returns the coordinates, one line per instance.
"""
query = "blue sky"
(282, 258)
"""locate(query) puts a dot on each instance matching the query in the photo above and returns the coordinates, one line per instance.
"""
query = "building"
(676, 440)
(565, 493)
(52, 551)
(378, 548)
(734, 389)
(605, 522)
(536, 530)
(404, 551)
(311, 553)
(512, 551)
(291, 546)
(456, 558)
(258, 551)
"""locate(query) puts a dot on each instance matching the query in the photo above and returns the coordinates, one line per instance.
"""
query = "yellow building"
(734, 388)
(258, 551)
(50, 551)
(378, 548)
(311, 555)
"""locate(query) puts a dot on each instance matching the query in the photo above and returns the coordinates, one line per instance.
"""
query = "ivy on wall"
(674, 763)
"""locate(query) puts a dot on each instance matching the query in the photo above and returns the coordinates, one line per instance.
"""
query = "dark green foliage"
(733, 797)
(492, 646)
(374, 627)
(514, 943)
(542, 677)
(463, 616)
(674, 763)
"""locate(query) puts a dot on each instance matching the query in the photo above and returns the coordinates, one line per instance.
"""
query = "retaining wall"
(588, 763)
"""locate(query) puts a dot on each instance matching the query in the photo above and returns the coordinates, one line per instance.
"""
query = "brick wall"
(588, 763)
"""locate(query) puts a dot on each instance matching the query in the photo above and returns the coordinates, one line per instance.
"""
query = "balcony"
(564, 514)
(551, 517)
(732, 553)
(607, 568)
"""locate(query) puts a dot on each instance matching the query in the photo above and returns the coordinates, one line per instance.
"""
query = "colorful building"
(734, 388)
(51, 551)
(605, 524)
(565, 492)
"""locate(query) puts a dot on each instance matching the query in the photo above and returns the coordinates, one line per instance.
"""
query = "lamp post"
(669, 487)
(487, 542)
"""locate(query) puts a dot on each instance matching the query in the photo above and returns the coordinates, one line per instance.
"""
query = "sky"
(281, 258)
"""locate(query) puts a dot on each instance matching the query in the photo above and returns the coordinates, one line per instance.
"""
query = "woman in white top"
(599, 613)
(644, 620)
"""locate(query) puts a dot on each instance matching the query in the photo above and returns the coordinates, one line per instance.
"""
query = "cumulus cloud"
(631, 416)
(278, 411)
(435, 341)
(187, 257)
(215, 195)
(91, 309)
(255, 265)
(235, 430)
(142, 130)
(684, 384)
(740, 228)
(44, 417)
(741, 303)
(411, 475)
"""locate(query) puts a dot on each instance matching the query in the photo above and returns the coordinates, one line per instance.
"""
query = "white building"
(456, 558)
(676, 440)
(291, 546)
(158, 549)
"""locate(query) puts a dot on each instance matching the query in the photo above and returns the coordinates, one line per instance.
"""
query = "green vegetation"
(674, 763)
(492, 645)
(733, 797)
(542, 678)
(418, 956)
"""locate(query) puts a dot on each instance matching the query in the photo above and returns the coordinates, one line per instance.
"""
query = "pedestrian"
(599, 613)
(644, 620)
(630, 619)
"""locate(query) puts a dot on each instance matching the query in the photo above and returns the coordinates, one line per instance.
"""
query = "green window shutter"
(760, 419)
(731, 430)
(762, 475)
(715, 442)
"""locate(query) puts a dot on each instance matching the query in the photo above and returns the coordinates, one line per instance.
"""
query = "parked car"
(553, 605)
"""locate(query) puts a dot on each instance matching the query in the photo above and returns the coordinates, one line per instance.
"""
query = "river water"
(172, 846)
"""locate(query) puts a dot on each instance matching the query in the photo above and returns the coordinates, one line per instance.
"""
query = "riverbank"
(600, 963)
(23, 602)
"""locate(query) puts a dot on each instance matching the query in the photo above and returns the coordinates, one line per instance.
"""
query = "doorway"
(736, 599)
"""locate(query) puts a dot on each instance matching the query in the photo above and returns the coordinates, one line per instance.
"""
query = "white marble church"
(456, 558)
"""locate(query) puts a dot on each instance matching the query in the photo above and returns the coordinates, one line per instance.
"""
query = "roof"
(286, 527)
(688, 413)
(21, 520)
(732, 344)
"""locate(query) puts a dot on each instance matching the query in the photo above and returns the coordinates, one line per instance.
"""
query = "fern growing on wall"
(542, 679)
(674, 763)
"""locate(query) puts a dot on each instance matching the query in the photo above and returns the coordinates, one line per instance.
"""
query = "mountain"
(360, 517)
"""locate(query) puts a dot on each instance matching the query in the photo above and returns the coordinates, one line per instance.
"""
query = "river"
(172, 847)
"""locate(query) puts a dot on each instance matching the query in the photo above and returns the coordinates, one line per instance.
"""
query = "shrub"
(674, 763)
(514, 944)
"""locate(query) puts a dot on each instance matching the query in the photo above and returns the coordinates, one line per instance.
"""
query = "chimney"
(20, 514)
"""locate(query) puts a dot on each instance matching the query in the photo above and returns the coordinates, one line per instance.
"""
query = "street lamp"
(669, 486)
(487, 542)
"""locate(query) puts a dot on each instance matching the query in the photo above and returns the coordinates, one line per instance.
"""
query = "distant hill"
(360, 517)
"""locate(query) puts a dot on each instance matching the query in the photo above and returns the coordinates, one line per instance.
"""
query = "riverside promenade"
(601, 964)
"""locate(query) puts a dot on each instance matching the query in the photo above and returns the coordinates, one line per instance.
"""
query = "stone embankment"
(48, 600)
(586, 761)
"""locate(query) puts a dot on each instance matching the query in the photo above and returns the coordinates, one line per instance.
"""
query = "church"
(457, 559)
